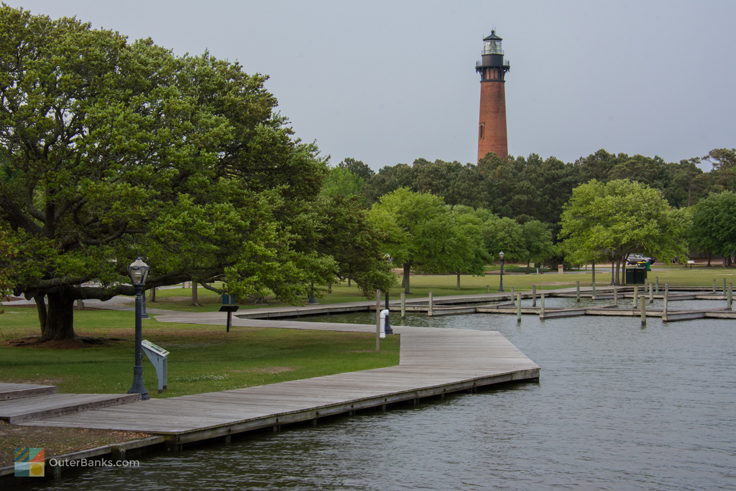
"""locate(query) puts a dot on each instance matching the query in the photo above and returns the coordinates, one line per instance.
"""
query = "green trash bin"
(636, 276)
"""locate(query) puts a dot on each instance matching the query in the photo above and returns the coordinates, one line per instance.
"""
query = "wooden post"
(651, 293)
(403, 305)
(643, 311)
(636, 295)
(541, 305)
(666, 301)
(430, 311)
(593, 293)
(534, 295)
(615, 294)
(714, 286)
(657, 286)
(378, 320)
(577, 291)
(729, 296)
(724, 286)
(518, 307)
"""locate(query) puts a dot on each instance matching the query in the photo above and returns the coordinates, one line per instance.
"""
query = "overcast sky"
(391, 81)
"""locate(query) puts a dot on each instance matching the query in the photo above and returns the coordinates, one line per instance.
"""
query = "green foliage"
(713, 227)
(342, 182)
(110, 150)
(612, 220)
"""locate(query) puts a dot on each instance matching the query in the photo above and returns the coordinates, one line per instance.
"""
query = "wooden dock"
(434, 362)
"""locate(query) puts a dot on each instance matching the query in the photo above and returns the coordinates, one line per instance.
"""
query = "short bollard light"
(388, 329)
(138, 272)
(384, 321)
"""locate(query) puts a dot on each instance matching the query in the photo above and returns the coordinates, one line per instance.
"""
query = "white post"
(430, 311)
(403, 305)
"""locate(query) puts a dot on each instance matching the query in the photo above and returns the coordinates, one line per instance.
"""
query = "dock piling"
(666, 301)
(615, 294)
(430, 309)
(636, 296)
(518, 308)
(378, 320)
(651, 293)
(534, 295)
(643, 311)
(577, 291)
(403, 305)
(729, 296)
(657, 286)
(541, 305)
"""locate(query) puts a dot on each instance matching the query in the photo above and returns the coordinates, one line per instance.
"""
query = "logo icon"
(29, 462)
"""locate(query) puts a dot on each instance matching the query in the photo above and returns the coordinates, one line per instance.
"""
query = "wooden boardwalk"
(433, 362)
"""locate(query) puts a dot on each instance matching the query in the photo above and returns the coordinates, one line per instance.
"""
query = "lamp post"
(138, 271)
(500, 286)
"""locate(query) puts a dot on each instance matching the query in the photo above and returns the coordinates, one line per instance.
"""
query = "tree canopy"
(110, 150)
(614, 219)
(714, 225)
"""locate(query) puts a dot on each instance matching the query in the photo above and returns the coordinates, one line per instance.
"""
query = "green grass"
(421, 285)
(202, 359)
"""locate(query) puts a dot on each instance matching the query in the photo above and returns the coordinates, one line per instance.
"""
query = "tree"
(357, 167)
(354, 242)
(110, 150)
(342, 182)
(413, 226)
(612, 220)
(538, 245)
(713, 227)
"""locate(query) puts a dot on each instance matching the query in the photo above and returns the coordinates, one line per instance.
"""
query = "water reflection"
(617, 407)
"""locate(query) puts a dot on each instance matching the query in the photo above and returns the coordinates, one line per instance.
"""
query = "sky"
(388, 82)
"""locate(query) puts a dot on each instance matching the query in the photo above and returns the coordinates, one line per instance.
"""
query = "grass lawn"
(421, 285)
(202, 359)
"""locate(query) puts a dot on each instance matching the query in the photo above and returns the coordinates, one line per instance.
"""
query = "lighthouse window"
(480, 130)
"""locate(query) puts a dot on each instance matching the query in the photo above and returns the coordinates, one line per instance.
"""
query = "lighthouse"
(492, 122)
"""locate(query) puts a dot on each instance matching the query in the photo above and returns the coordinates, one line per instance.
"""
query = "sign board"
(155, 348)
(159, 358)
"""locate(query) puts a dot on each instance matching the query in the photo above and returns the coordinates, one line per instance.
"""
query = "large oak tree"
(112, 149)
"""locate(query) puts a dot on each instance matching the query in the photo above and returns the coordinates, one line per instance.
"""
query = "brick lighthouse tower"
(492, 123)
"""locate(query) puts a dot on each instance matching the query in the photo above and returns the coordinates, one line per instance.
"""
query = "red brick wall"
(492, 122)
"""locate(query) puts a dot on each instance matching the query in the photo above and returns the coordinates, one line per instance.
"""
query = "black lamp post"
(138, 271)
(500, 286)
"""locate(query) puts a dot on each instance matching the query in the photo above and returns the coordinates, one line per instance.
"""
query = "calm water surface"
(617, 407)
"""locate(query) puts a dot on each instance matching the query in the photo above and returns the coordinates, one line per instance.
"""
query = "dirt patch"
(76, 343)
(56, 441)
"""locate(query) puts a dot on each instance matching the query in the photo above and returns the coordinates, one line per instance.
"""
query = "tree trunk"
(60, 317)
(458, 281)
(349, 285)
(709, 257)
(405, 279)
(41, 309)
(613, 272)
(593, 270)
(153, 294)
(195, 295)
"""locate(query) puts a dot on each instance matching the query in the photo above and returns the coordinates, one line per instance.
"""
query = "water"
(617, 407)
